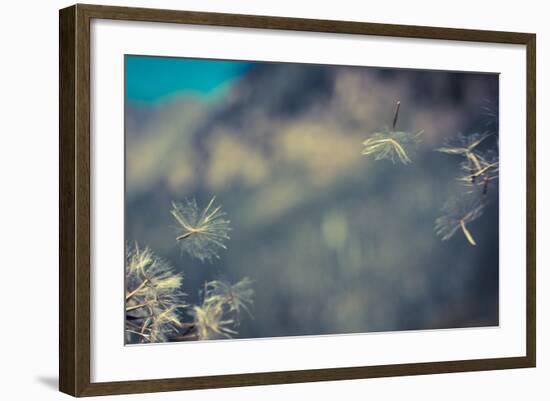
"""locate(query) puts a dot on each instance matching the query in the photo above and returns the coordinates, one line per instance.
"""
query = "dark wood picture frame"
(74, 199)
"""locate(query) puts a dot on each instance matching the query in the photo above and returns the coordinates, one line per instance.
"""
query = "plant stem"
(129, 317)
(134, 292)
(134, 307)
(192, 336)
(138, 333)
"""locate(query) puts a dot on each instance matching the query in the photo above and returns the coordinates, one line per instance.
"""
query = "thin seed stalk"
(139, 288)
(467, 233)
(184, 236)
(145, 336)
(396, 114)
(474, 160)
(134, 307)
(191, 232)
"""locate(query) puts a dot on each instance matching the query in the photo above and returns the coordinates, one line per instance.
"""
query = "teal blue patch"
(153, 79)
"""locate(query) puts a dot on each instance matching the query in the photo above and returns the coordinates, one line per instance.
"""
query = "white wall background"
(29, 184)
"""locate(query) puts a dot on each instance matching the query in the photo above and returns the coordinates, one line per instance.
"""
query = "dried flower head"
(458, 213)
(153, 297)
(203, 232)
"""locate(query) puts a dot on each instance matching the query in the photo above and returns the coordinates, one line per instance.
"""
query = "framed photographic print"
(279, 200)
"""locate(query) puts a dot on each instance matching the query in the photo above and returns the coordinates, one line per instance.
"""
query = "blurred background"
(335, 242)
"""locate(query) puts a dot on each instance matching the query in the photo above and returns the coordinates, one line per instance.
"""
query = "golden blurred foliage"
(324, 151)
(232, 160)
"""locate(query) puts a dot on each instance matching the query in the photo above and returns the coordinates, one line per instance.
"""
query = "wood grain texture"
(74, 199)
(301, 24)
(531, 289)
(67, 131)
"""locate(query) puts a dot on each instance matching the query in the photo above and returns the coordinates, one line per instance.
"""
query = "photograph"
(276, 199)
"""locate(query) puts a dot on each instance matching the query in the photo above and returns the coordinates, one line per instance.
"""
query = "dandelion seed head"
(165, 324)
(153, 297)
(137, 260)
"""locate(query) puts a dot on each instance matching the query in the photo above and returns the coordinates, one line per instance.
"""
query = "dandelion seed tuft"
(458, 213)
(396, 146)
(479, 167)
(202, 234)
(211, 322)
(465, 145)
(236, 297)
(483, 176)
(391, 144)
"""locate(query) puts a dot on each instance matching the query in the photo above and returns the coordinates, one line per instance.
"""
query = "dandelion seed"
(465, 145)
(480, 179)
(204, 233)
(479, 167)
(391, 144)
(212, 323)
(236, 297)
(458, 213)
